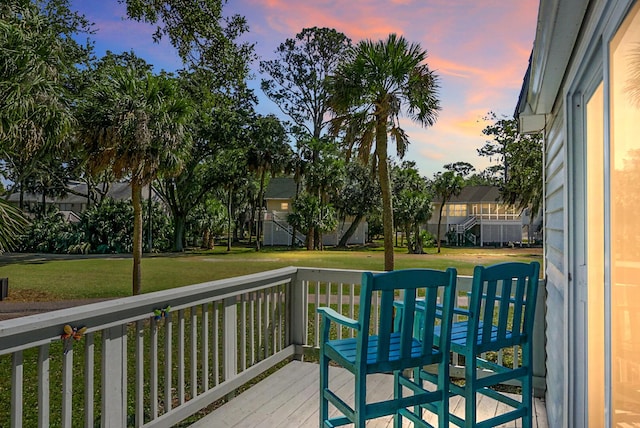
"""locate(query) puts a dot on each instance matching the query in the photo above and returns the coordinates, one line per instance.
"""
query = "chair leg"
(527, 387)
(324, 384)
(470, 392)
(397, 394)
(527, 401)
(443, 385)
(360, 399)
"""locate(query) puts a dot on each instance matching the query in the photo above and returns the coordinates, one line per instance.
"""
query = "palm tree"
(369, 92)
(132, 124)
(445, 186)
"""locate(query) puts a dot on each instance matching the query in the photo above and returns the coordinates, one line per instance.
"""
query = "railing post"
(298, 326)
(539, 342)
(230, 338)
(114, 377)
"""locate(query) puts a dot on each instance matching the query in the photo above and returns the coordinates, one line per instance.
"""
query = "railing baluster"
(43, 385)
(168, 352)
(274, 322)
(340, 307)
(194, 352)
(181, 392)
(352, 306)
(204, 346)
(216, 343)
(89, 365)
(316, 315)
(252, 323)
(153, 361)
(17, 372)
(259, 304)
(139, 387)
(266, 324)
(305, 310)
(243, 332)
(67, 388)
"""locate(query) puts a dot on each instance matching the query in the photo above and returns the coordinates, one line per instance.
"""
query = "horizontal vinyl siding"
(554, 237)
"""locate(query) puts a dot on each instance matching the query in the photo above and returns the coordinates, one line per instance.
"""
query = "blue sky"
(478, 48)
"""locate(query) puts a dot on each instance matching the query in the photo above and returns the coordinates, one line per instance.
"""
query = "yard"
(53, 277)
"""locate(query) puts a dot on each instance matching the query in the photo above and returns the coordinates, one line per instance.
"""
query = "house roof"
(117, 191)
(281, 188)
(474, 194)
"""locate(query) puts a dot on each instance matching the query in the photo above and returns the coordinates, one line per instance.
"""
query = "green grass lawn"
(76, 278)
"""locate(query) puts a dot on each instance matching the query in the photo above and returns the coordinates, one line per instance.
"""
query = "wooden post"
(297, 322)
(114, 377)
(230, 339)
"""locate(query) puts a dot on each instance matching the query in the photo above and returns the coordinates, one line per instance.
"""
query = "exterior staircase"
(463, 231)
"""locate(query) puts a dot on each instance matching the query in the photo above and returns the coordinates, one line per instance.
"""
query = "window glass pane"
(625, 225)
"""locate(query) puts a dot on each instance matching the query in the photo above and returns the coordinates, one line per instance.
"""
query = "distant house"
(76, 201)
(476, 217)
(279, 197)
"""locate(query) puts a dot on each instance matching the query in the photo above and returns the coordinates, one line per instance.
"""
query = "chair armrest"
(338, 318)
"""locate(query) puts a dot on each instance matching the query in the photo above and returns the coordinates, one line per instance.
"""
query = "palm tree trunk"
(136, 200)
(385, 187)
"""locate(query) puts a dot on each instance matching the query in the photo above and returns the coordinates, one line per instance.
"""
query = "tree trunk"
(229, 219)
(178, 231)
(310, 240)
(150, 221)
(259, 207)
(385, 187)
(21, 203)
(439, 223)
(136, 200)
(349, 233)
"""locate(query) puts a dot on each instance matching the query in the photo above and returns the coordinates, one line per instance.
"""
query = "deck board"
(289, 398)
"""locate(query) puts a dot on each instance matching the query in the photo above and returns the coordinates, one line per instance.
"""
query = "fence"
(156, 359)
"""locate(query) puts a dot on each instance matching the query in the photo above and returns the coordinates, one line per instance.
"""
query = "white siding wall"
(554, 245)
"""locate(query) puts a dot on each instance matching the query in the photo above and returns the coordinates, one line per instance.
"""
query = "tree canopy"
(519, 166)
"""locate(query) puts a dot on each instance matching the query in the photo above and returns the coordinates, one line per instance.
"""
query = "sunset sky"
(479, 49)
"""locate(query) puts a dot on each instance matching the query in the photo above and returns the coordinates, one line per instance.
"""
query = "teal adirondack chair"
(500, 315)
(391, 349)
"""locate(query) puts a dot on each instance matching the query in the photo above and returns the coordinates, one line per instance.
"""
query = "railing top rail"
(41, 328)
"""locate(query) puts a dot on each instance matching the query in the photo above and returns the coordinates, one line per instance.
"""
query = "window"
(284, 206)
(457, 210)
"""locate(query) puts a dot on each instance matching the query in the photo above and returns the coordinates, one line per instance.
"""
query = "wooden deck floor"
(289, 398)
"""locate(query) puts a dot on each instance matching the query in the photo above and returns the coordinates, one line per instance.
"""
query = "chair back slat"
(502, 304)
(429, 319)
(386, 322)
(438, 288)
(505, 307)
(489, 307)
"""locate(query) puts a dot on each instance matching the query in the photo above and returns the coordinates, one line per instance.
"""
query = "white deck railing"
(138, 365)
